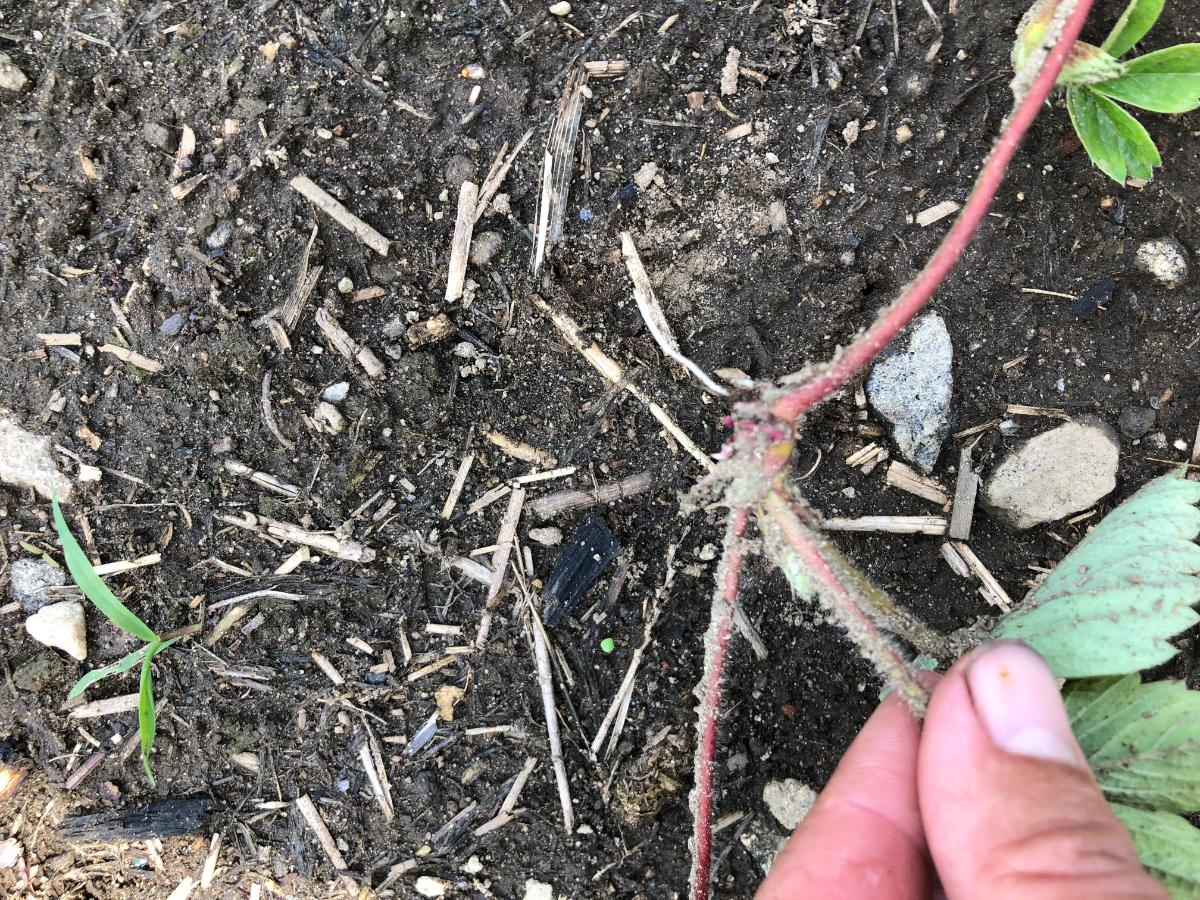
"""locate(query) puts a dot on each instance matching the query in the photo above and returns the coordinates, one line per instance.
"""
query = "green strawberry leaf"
(1168, 846)
(1166, 81)
(93, 587)
(1137, 20)
(1113, 604)
(1141, 740)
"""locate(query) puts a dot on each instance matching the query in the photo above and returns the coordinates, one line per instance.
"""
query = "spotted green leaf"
(1168, 846)
(1165, 81)
(1113, 604)
(1141, 740)
(93, 587)
(1137, 20)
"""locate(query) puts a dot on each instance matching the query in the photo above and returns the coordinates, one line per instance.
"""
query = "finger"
(862, 839)
(1010, 808)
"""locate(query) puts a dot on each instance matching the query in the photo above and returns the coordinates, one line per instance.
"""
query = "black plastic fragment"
(586, 555)
(1094, 297)
(161, 819)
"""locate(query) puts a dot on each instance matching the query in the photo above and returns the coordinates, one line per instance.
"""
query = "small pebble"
(484, 247)
(11, 78)
(534, 889)
(428, 886)
(328, 418)
(157, 135)
(473, 866)
(1164, 259)
(60, 625)
(219, 236)
(560, 9)
(644, 176)
(789, 801)
(1135, 422)
(547, 537)
(336, 392)
(345, 285)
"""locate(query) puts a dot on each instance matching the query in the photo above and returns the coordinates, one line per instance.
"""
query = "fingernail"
(1018, 701)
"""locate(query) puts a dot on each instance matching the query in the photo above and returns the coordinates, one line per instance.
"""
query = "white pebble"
(60, 625)
(538, 890)
(561, 9)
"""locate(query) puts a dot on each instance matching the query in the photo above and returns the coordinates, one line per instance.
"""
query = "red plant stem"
(893, 319)
(716, 645)
(848, 607)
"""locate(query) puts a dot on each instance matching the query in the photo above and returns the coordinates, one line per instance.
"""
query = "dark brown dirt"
(108, 78)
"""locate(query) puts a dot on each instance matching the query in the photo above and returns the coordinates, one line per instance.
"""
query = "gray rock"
(1164, 259)
(485, 247)
(11, 78)
(38, 672)
(910, 387)
(157, 135)
(789, 801)
(336, 392)
(25, 462)
(1156, 441)
(1136, 423)
(1059, 472)
(29, 579)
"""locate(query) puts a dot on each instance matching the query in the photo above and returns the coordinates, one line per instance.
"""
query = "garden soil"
(767, 251)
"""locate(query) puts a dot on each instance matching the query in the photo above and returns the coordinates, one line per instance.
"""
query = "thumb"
(1009, 805)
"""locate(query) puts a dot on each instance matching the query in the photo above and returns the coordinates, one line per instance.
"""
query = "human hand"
(991, 799)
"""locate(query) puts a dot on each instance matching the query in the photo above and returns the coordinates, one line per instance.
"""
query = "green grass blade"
(93, 588)
(147, 717)
(124, 664)
(1137, 20)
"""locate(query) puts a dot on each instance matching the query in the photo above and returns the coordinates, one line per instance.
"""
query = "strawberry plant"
(1108, 611)
(1098, 82)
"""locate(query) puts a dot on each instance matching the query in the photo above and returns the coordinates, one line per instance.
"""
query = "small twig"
(546, 685)
(262, 479)
(993, 592)
(347, 346)
(611, 369)
(496, 176)
(316, 824)
(460, 243)
(965, 491)
(889, 524)
(329, 205)
(504, 546)
(269, 414)
(653, 316)
(563, 501)
(342, 548)
(456, 489)
(133, 358)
